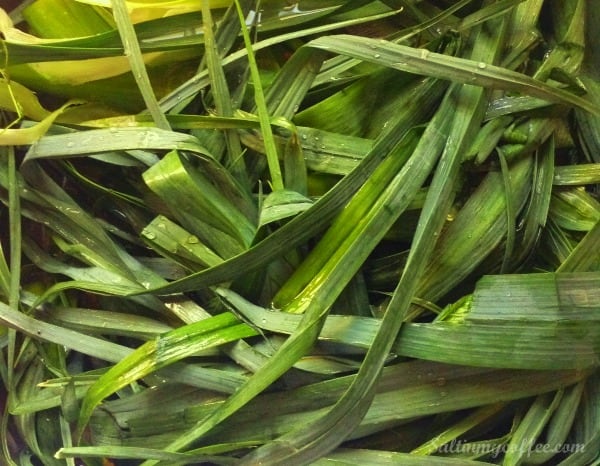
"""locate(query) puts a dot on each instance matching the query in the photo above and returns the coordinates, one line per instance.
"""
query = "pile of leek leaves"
(317, 232)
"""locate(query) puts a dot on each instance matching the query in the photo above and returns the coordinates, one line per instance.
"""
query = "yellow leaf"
(23, 136)
(17, 98)
(146, 10)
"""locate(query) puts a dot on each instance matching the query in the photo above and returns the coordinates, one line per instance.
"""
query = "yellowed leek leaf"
(145, 10)
(153, 4)
(75, 72)
(16, 137)
(17, 98)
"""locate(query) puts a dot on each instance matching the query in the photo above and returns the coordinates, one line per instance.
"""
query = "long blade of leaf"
(422, 61)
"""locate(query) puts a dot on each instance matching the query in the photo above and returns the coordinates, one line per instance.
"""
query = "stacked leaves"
(335, 232)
